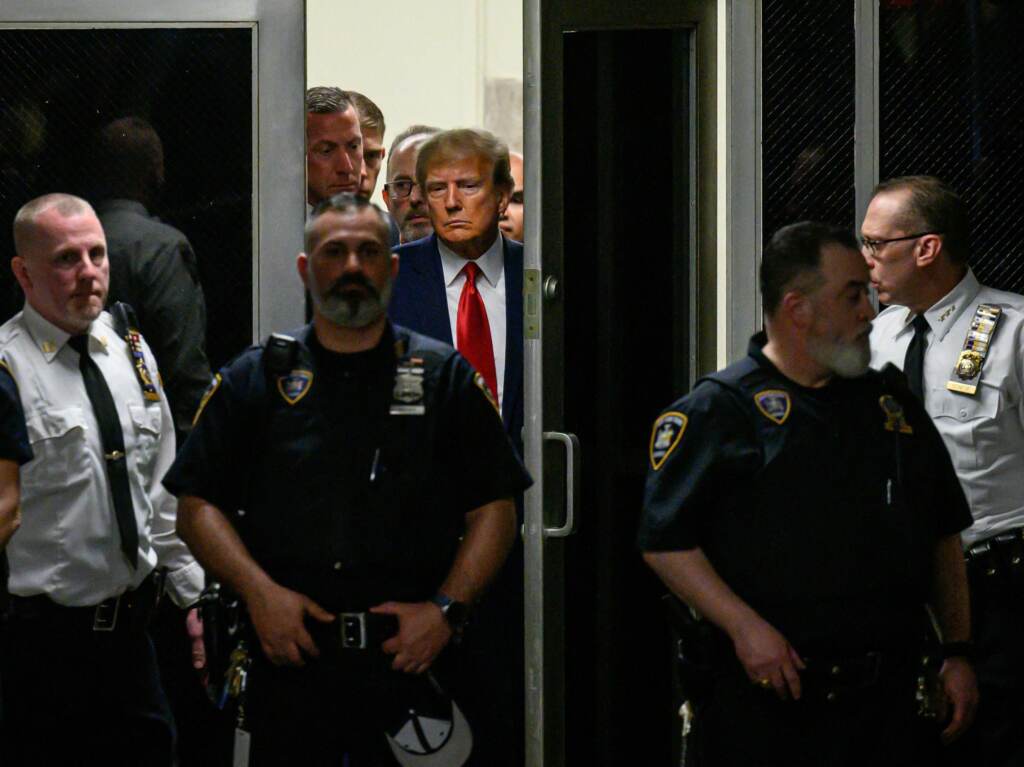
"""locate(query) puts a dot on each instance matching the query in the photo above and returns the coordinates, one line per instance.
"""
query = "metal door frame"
(728, 246)
(279, 77)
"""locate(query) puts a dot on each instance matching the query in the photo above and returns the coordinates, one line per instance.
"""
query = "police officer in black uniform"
(807, 508)
(354, 486)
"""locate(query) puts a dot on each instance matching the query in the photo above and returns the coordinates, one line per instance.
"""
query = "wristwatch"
(958, 650)
(456, 613)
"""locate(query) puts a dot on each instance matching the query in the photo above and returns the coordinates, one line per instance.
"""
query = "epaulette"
(733, 375)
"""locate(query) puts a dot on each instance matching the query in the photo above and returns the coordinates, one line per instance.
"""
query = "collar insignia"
(295, 385)
(895, 420)
(774, 404)
(665, 435)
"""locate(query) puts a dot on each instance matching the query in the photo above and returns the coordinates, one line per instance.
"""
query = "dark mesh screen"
(952, 105)
(195, 87)
(808, 112)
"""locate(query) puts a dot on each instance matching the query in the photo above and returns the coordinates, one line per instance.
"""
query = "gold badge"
(968, 365)
(774, 404)
(665, 435)
(895, 420)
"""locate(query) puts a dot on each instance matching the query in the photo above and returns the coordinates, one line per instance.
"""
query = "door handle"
(572, 472)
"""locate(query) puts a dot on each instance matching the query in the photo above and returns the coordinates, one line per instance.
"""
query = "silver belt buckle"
(353, 631)
(105, 616)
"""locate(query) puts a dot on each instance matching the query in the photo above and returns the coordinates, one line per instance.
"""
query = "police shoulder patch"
(665, 435)
(295, 385)
(210, 390)
(482, 385)
(895, 419)
(774, 404)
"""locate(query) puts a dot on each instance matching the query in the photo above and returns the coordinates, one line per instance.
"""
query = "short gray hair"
(67, 205)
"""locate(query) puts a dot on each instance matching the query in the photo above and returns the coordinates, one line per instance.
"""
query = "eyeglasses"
(400, 189)
(872, 246)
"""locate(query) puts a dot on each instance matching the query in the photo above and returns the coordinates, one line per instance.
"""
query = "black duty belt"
(832, 679)
(129, 610)
(365, 631)
(1000, 555)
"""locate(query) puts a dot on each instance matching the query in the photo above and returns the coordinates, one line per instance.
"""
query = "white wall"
(449, 63)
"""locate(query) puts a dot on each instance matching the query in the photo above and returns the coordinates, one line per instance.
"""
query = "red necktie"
(473, 331)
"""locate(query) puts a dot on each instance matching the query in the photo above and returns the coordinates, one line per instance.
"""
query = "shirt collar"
(491, 263)
(50, 339)
(944, 313)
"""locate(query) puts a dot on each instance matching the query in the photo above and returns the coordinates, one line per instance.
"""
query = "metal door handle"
(572, 472)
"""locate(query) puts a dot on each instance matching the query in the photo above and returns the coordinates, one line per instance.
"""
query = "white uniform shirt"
(68, 546)
(983, 432)
(491, 286)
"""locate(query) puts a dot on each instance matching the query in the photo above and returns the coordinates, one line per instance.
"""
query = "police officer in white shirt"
(961, 345)
(79, 674)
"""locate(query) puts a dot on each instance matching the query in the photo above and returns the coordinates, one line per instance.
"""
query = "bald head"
(26, 223)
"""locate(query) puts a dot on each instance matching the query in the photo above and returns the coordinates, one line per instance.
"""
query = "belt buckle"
(105, 615)
(353, 631)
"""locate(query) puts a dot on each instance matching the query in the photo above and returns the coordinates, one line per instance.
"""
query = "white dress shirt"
(68, 546)
(491, 286)
(983, 432)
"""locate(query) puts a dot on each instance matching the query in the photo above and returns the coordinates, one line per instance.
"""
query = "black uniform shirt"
(334, 494)
(820, 507)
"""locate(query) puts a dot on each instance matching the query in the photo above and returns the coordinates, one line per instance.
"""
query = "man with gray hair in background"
(402, 195)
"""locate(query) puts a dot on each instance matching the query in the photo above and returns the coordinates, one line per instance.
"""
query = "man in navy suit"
(464, 175)
(464, 285)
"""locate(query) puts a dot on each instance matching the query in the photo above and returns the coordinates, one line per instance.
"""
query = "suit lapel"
(436, 323)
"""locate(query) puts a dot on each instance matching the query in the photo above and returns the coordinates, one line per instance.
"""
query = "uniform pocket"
(969, 426)
(146, 421)
(60, 450)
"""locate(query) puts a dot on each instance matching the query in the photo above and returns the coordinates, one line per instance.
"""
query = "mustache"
(344, 284)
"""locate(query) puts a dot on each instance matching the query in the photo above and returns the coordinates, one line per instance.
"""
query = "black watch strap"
(958, 650)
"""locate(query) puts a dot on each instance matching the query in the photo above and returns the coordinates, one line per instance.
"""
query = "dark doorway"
(624, 348)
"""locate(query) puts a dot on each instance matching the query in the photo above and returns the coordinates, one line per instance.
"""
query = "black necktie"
(113, 447)
(913, 363)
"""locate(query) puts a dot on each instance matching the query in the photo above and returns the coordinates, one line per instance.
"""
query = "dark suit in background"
(153, 268)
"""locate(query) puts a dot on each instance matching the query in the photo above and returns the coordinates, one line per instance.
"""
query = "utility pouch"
(222, 616)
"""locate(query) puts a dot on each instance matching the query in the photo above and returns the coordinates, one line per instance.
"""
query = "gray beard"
(352, 311)
(845, 360)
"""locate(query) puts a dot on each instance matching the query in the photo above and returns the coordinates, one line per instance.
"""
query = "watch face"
(456, 613)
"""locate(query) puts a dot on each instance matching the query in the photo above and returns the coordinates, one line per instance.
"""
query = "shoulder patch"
(895, 420)
(481, 384)
(774, 404)
(295, 385)
(665, 435)
(210, 391)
